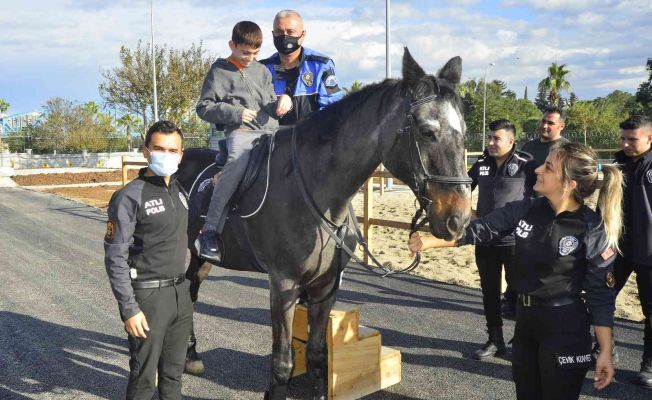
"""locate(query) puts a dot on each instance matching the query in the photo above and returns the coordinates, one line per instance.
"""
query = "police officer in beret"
(145, 252)
(564, 255)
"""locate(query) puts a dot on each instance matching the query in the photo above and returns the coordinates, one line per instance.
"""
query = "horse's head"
(428, 153)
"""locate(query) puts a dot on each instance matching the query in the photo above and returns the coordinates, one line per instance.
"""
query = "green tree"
(130, 123)
(71, 127)
(4, 106)
(555, 83)
(355, 86)
(179, 75)
(644, 92)
(525, 94)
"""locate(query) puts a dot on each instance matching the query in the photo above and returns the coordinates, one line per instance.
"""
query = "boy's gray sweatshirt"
(227, 91)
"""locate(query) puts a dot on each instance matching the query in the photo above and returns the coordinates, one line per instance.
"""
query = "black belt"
(528, 301)
(177, 280)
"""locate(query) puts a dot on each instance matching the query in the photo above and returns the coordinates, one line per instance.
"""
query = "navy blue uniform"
(497, 186)
(637, 254)
(145, 245)
(312, 85)
(564, 276)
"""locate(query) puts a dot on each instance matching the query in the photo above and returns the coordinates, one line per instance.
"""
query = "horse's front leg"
(282, 301)
(317, 352)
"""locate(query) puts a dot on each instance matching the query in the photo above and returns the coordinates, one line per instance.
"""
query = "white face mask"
(163, 163)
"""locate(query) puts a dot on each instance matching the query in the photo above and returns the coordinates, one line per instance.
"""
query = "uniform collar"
(622, 158)
(155, 180)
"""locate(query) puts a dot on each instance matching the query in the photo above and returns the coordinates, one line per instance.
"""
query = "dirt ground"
(65, 179)
(453, 265)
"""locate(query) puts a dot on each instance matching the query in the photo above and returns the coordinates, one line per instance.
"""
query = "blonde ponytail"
(610, 202)
(580, 163)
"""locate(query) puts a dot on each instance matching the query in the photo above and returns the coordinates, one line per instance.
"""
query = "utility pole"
(151, 17)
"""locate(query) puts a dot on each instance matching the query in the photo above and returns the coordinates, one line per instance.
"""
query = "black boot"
(644, 378)
(495, 346)
(209, 248)
(194, 364)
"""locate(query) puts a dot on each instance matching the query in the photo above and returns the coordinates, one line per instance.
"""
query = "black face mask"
(286, 44)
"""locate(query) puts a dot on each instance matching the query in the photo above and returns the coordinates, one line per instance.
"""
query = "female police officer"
(562, 248)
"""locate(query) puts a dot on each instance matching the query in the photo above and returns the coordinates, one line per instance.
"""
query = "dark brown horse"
(414, 126)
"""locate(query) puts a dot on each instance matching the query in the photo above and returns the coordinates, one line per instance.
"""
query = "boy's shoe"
(209, 248)
(644, 377)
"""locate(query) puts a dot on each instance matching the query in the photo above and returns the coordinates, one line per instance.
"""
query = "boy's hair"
(247, 33)
(165, 127)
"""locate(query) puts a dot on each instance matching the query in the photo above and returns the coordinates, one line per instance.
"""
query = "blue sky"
(60, 47)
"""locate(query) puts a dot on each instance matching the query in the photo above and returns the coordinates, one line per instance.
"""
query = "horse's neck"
(342, 166)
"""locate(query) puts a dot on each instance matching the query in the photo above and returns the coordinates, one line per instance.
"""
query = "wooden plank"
(300, 360)
(368, 210)
(392, 224)
(300, 323)
(356, 369)
(390, 367)
(124, 171)
(343, 324)
(382, 181)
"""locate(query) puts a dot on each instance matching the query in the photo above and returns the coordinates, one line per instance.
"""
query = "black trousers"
(169, 314)
(551, 351)
(622, 271)
(490, 261)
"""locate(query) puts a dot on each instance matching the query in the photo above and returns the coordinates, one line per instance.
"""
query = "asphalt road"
(61, 337)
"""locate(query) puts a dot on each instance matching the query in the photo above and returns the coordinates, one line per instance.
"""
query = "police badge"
(307, 78)
(182, 197)
(648, 175)
(611, 280)
(567, 244)
(512, 169)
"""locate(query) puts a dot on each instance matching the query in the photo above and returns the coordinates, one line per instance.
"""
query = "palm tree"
(355, 86)
(128, 121)
(555, 83)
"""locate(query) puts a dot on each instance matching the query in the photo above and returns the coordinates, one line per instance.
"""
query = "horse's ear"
(452, 71)
(412, 72)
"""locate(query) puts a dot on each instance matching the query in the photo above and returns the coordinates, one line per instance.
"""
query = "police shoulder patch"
(567, 245)
(110, 230)
(611, 280)
(648, 175)
(204, 184)
(331, 81)
(512, 169)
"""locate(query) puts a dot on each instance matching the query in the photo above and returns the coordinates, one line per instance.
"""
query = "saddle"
(202, 188)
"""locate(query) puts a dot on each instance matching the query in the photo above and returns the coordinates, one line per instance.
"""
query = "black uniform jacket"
(498, 186)
(146, 237)
(636, 241)
(556, 256)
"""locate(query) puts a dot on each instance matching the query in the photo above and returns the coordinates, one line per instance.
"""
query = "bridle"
(420, 179)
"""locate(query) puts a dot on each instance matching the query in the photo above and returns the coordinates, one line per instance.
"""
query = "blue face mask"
(163, 163)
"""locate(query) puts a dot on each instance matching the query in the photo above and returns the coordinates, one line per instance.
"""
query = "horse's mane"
(327, 122)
